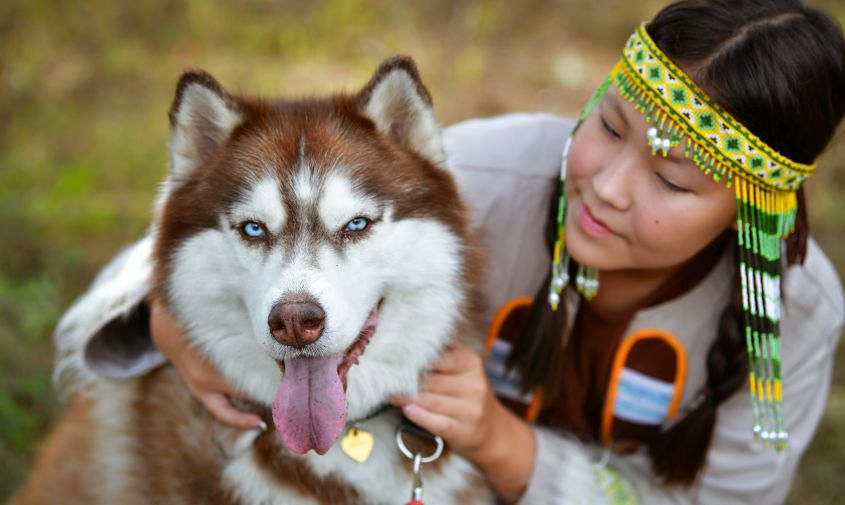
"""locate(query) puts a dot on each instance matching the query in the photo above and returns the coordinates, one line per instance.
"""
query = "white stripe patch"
(304, 185)
(340, 203)
(642, 399)
(264, 203)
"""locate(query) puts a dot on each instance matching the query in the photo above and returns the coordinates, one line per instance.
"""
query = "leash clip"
(400, 442)
(417, 457)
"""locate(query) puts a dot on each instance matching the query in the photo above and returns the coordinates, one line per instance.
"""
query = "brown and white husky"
(318, 253)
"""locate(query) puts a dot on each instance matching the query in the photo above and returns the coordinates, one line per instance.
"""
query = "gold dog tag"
(357, 444)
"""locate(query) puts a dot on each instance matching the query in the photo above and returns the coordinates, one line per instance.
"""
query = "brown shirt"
(589, 355)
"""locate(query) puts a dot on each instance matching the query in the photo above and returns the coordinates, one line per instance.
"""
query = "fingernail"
(260, 425)
(409, 410)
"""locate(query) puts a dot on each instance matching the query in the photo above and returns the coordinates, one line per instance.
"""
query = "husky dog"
(318, 253)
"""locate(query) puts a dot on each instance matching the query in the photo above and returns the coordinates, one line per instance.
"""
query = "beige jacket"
(507, 167)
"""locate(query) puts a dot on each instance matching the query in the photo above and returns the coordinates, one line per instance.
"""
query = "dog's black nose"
(296, 320)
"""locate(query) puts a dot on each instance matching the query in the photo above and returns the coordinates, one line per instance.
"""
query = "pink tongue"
(310, 406)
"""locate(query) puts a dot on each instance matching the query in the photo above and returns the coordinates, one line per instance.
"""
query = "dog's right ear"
(399, 105)
(202, 117)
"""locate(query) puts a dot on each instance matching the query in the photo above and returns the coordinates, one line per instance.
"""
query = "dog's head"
(323, 238)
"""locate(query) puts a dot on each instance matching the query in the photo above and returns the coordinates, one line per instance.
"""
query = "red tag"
(414, 502)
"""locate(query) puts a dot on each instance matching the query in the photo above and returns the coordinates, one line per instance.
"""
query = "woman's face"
(629, 209)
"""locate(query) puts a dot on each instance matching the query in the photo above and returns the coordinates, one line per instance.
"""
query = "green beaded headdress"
(765, 183)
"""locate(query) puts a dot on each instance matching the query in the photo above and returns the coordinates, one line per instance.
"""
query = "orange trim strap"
(619, 364)
(493, 332)
(502, 315)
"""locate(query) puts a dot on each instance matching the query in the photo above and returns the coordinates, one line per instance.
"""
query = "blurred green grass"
(84, 93)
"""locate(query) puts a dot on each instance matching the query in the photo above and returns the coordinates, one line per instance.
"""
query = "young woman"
(681, 271)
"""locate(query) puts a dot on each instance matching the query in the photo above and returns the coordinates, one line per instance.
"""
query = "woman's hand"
(457, 403)
(202, 378)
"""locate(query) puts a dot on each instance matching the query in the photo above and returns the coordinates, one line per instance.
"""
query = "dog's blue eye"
(253, 230)
(357, 224)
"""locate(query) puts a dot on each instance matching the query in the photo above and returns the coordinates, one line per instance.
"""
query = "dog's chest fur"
(193, 459)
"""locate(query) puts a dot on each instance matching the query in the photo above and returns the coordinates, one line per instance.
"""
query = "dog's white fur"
(414, 265)
(223, 290)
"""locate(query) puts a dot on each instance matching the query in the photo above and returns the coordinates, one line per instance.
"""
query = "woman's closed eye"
(609, 129)
(670, 185)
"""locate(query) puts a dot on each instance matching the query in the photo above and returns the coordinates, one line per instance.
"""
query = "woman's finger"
(202, 378)
(214, 393)
(465, 386)
(222, 409)
(400, 401)
(447, 405)
(438, 424)
(457, 359)
(205, 379)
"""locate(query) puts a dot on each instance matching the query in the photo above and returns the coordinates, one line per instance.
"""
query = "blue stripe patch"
(642, 399)
(505, 384)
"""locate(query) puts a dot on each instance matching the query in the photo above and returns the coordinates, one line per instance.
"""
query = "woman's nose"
(613, 183)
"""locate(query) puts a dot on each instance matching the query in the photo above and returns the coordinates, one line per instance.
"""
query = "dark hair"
(778, 67)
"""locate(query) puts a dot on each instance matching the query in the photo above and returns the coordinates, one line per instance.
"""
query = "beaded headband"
(765, 183)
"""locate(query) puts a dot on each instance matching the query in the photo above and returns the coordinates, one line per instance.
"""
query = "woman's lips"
(591, 225)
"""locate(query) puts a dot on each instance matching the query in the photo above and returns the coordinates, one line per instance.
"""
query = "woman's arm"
(204, 381)
(457, 403)
(105, 332)
(521, 462)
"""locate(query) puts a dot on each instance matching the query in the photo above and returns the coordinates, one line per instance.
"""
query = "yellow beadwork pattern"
(681, 108)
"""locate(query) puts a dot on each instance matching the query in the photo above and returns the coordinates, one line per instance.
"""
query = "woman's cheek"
(671, 232)
(585, 153)
(665, 234)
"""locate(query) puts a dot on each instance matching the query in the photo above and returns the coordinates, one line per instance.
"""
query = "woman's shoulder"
(507, 168)
(813, 294)
(528, 143)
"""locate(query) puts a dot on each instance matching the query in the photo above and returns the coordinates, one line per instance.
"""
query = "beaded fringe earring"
(763, 219)
(560, 257)
(587, 278)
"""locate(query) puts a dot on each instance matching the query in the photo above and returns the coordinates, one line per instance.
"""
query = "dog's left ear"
(202, 117)
(398, 103)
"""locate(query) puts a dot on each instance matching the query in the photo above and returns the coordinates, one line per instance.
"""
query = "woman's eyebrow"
(614, 104)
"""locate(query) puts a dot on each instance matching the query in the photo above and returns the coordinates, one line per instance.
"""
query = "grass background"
(84, 92)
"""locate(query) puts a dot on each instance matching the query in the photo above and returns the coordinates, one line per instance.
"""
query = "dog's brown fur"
(71, 440)
(178, 454)
(168, 447)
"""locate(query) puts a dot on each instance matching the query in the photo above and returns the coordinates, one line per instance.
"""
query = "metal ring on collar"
(400, 442)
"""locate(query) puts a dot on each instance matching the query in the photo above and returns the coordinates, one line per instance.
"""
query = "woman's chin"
(594, 253)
